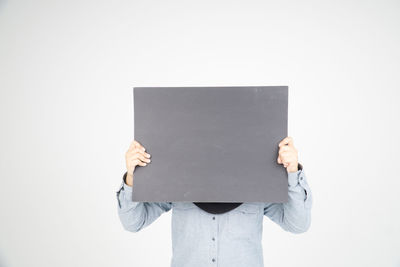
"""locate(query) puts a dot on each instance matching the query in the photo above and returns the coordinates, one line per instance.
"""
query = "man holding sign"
(217, 158)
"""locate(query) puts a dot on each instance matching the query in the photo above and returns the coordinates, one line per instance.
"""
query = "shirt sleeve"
(133, 215)
(295, 215)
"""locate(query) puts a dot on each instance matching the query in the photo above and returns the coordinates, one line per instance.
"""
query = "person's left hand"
(288, 155)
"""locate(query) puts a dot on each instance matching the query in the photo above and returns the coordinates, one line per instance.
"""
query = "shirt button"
(213, 239)
(213, 260)
(213, 218)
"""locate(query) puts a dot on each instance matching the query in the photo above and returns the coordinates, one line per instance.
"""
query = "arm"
(295, 215)
(136, 215)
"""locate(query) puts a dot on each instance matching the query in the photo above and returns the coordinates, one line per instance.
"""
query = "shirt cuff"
(295, 177)
(126, 187)
(126, 196)
(299, 178)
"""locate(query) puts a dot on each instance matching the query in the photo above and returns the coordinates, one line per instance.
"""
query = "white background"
(67, 69)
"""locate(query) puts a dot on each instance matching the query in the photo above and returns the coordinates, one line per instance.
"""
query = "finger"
(133, 145)
(142, 164)
(285, 148)
(139, 145)
(287, 158)
(279, 160)
(142, 157)
(138, 150)
(139, 157)
(289, 162)
(286, 141)
(137, 162)
(284, 162)
(286, 154)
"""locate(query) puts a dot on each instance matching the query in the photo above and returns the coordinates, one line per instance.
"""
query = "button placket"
(213, 238)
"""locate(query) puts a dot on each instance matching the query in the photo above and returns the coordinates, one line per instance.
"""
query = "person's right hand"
(135, 156)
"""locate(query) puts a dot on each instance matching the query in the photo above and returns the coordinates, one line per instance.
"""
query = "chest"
(243, 222)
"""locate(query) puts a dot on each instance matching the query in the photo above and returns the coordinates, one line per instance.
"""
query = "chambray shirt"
(231, 239)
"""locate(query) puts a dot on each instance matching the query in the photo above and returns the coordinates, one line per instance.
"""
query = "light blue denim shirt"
(231, 239)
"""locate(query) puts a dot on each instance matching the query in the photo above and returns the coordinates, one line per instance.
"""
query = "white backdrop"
(67, 69)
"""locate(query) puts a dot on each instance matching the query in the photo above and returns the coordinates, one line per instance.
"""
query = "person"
(218, 234)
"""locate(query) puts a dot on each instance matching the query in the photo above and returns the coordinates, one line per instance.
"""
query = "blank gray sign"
(211, 144)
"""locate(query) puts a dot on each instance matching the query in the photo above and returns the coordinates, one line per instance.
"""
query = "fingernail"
(144, 149)
(145, 164)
